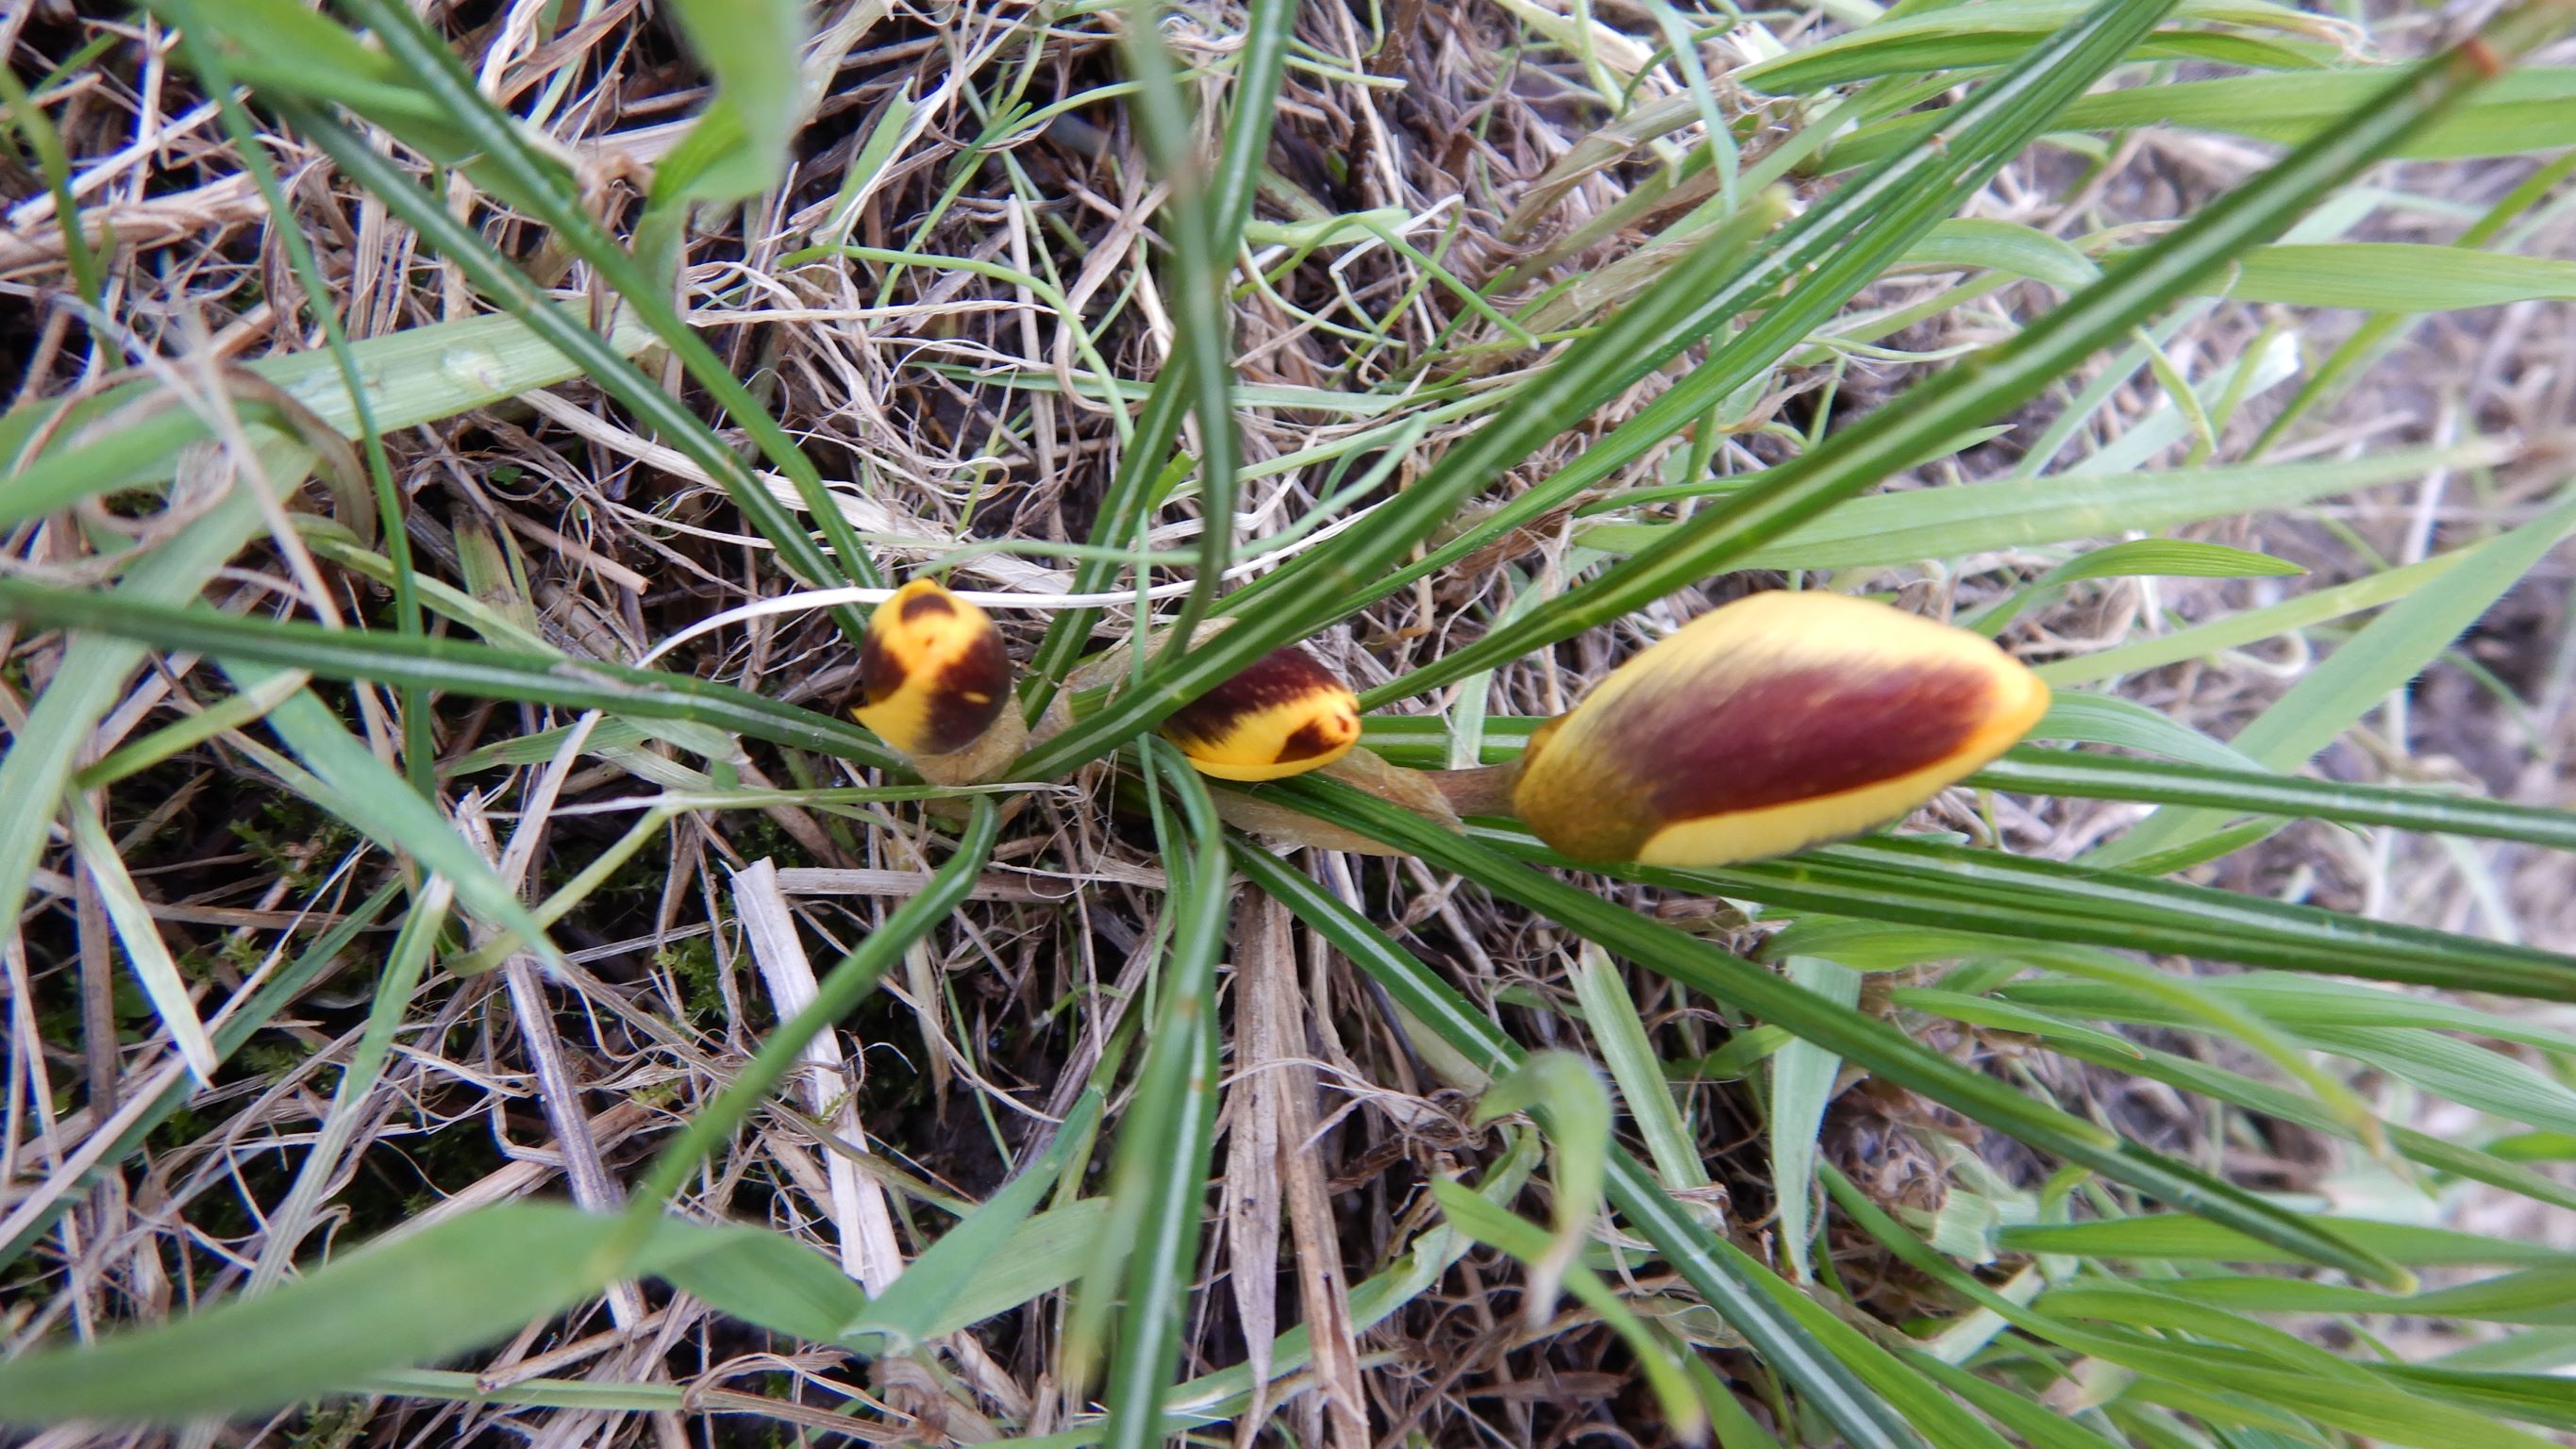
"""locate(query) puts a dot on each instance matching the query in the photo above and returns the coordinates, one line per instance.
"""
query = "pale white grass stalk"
(860, 1216)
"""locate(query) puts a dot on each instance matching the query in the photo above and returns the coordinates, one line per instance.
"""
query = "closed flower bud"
(1777, 722)
(1283, 715)
(933, 676)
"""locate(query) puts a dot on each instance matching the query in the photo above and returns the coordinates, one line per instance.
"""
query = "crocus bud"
(1283, 715)
(935, 683)
(1772, 724)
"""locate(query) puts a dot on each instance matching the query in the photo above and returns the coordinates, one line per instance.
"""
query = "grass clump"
(461, 935)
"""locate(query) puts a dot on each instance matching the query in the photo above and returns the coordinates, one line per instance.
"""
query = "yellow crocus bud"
(935, 683)
(1283, 715)
(1777, 722)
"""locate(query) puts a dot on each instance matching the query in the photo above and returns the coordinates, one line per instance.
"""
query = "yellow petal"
(933, 675)
(1283, 715)
(1772, 724)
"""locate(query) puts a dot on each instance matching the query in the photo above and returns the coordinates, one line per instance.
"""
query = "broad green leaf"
(1532, 1245)
(414, 376)
(749, 48)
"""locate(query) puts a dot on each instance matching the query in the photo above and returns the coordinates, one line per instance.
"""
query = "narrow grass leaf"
(1499, 1228)
(1620, 1034)
(908, 1313)
(2356, 678)
(140, 935)
(1969, 393)
(1847, 238)
(452, 666)
(1869, 1042)
(1802, 1084)
(749, 48)
(376, 801)
(2397, 277)
(1723, 1282)
(1159, 1171)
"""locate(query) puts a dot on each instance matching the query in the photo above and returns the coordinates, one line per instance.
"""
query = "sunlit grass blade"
(511, 288)
(435, 67)
(1925, 883)
(453, 666)
(1705, 287)
(1866, 1041)
(1975, 390)
(1860, 1414)
(1159, 1172)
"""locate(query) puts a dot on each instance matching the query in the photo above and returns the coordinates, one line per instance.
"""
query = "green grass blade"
(376, 802)
(505, 284)
(1705, 287)
(1164, 1140)
(434, 66)
(1918, 882)
(1972, 391)
(1864, 1040)
(1863, 1418)
(2388, 652)
(2103, 777)
(454, 666)
(909, 1311)
(841, 988)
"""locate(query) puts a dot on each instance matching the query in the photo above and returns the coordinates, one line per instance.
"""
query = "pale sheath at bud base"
(935, 683)
(1774, 723)
(1283, 715)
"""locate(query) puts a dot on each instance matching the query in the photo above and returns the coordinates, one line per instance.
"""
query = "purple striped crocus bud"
(1283, 715)
(1777, 722)
(933, 675)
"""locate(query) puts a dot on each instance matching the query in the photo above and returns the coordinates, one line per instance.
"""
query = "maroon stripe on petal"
(1795, 734)
(970, 693)
(1281, 677)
